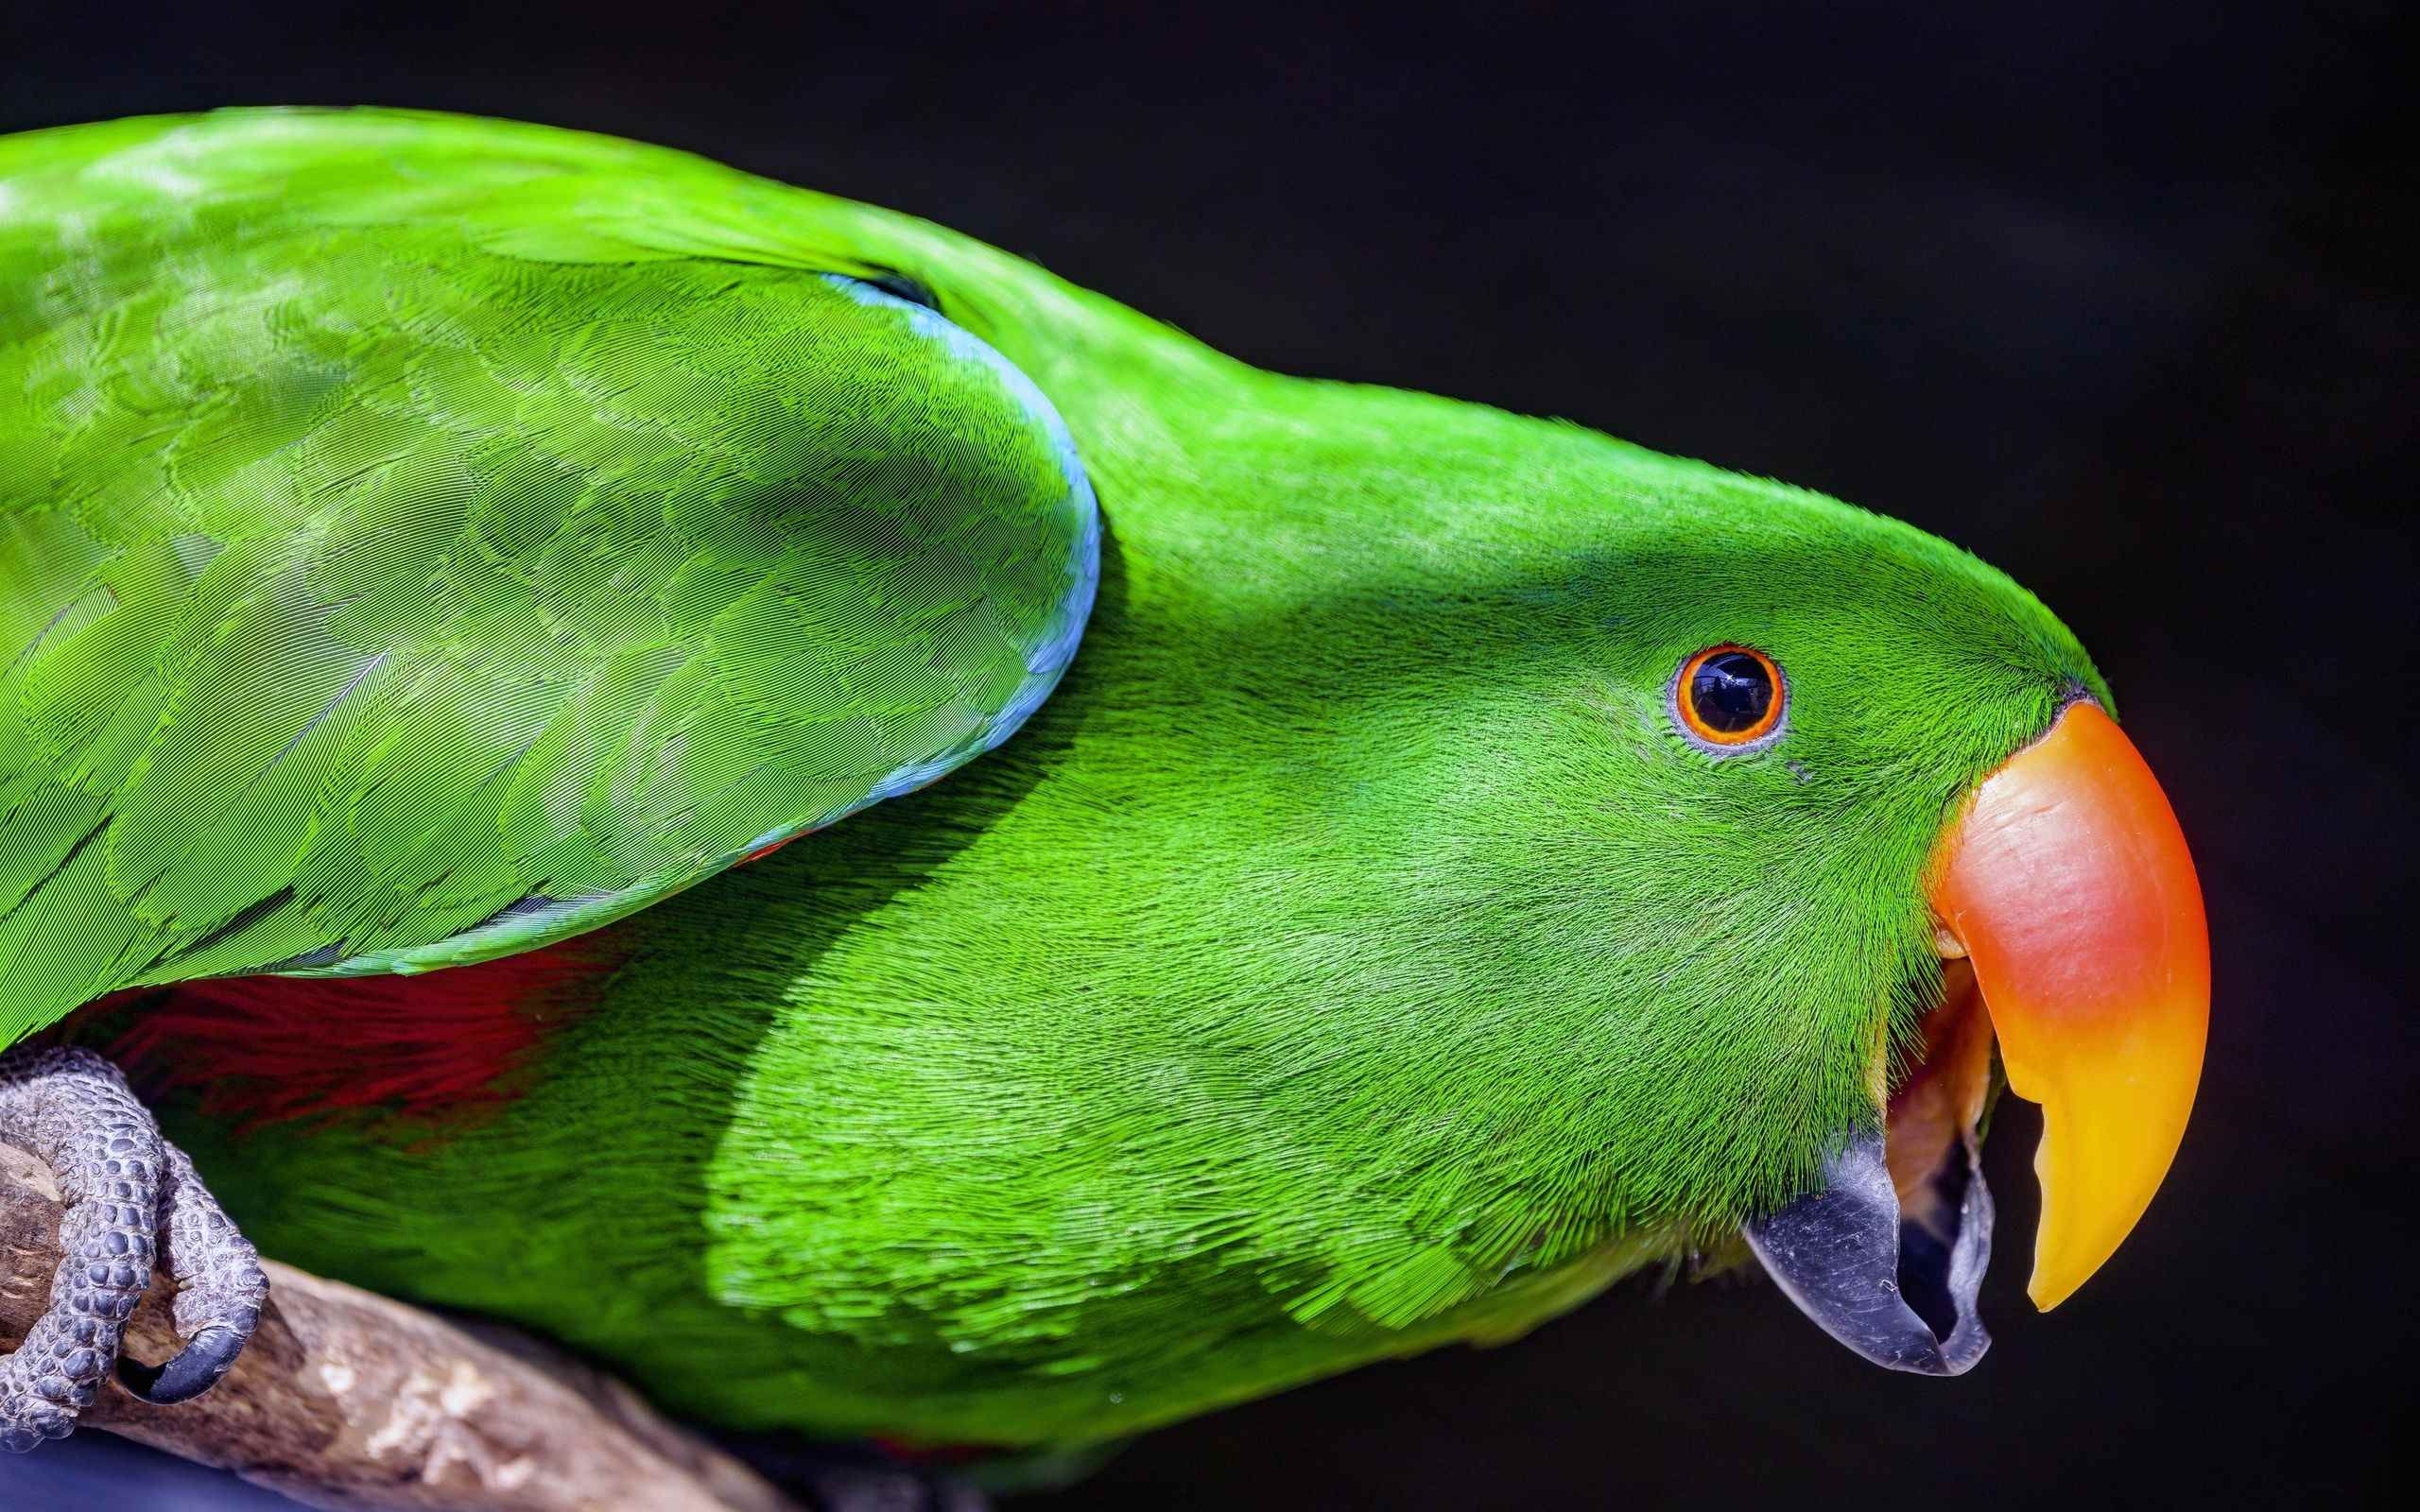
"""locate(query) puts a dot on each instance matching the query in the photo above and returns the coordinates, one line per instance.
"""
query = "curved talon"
(195, 1368)
(220, 1289)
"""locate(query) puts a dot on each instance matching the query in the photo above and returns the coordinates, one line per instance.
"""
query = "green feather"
(1351, 957)
(378, 599)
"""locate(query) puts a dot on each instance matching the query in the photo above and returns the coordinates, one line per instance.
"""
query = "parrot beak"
(2069, 886)
(2070, 925)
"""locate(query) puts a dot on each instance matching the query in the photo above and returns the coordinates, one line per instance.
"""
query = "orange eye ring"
(1730, 697)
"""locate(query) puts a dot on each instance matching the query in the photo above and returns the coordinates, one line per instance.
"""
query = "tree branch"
(348, 1399)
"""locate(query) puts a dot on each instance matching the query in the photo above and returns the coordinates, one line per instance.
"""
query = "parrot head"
(1794, 830)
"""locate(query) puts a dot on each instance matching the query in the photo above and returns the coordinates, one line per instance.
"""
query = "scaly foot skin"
(126, 1190)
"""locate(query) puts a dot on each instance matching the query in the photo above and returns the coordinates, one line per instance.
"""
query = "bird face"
(1843, 817)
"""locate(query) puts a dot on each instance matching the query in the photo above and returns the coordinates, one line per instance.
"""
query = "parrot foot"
(128, 1192)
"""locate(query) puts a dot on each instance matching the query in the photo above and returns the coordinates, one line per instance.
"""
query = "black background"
(2116, 298)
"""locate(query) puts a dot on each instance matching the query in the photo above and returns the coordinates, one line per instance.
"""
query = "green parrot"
(1468, 860)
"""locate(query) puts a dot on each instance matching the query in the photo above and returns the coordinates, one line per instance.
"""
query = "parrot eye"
(1729, 697)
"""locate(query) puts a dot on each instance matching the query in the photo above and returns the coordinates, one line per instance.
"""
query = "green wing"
(397, 571)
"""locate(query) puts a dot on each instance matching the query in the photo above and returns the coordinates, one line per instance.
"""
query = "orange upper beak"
(2068, 885)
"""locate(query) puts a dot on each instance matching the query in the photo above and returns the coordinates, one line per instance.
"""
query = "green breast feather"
(420, 536)
(375, 598)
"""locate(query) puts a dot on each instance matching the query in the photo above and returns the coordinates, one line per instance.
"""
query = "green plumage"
(1351, 956)
(372, 597)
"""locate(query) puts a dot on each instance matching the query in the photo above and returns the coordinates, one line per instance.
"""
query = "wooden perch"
(348, 1399)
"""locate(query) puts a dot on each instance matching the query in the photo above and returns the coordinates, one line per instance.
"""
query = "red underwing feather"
(264, 1049)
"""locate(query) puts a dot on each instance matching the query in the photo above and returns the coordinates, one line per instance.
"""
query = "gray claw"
(195, 1368)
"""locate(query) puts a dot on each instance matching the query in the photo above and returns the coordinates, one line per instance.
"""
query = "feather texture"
(1352, 956)
(374, 596)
